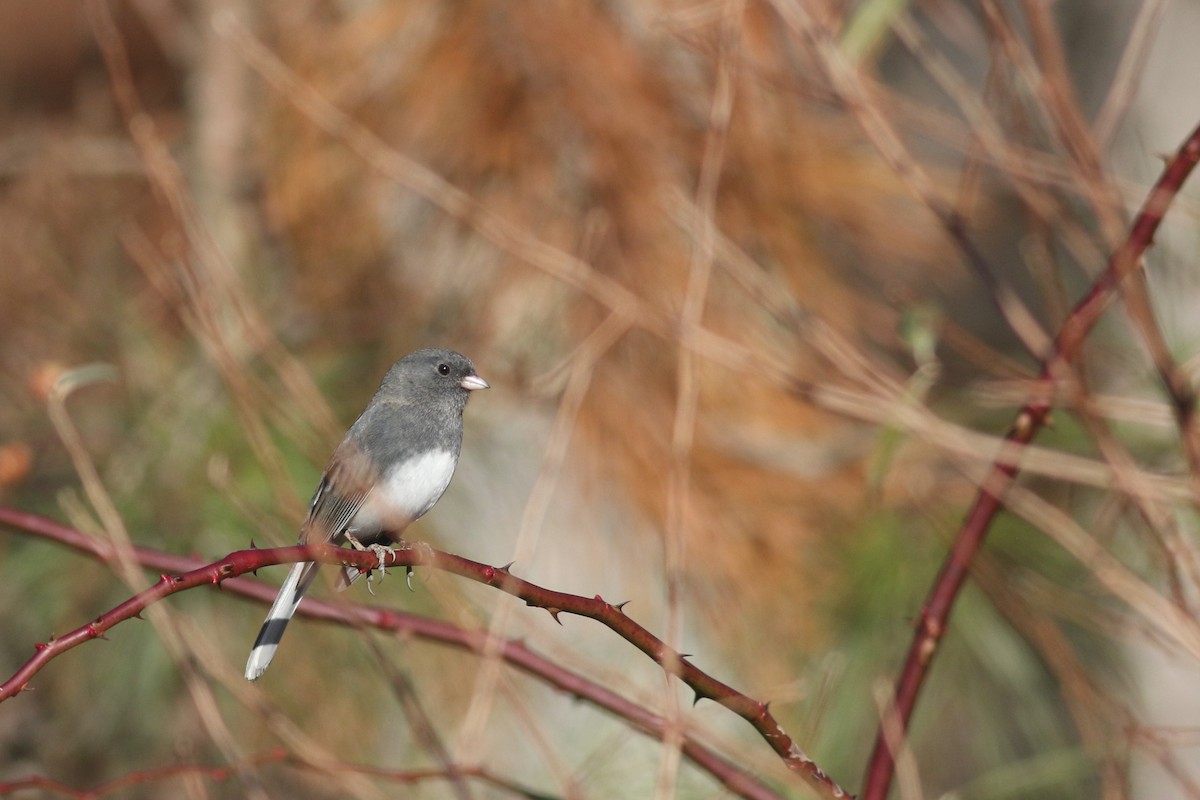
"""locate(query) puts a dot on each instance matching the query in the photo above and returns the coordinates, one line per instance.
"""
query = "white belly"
(406, 492)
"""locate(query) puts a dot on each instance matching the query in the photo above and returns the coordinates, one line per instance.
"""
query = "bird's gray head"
(429, 376)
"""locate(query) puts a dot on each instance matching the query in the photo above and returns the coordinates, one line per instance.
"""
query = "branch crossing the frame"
(241, 562)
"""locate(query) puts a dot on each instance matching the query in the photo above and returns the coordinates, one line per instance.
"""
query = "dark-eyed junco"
(392, 466)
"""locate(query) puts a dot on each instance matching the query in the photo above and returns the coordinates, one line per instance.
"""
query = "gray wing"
(340, 494)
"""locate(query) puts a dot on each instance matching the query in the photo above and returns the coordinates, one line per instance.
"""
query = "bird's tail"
(286, 602)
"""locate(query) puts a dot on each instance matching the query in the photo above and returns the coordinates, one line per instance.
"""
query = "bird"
(393, 464)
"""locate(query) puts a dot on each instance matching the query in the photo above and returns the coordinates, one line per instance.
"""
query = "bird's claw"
(382, 552)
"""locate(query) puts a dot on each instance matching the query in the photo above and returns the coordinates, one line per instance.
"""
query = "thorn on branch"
(1023, 425)
(621, 606)
(554, 613)
(507, 568)
(919, 619)
(927, 649)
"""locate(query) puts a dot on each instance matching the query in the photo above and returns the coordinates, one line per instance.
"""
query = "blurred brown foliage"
(590, 128)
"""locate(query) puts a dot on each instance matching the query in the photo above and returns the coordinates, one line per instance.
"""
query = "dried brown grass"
(527, 183)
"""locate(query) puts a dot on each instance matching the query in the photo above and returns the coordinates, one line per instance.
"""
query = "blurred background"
(743, 376)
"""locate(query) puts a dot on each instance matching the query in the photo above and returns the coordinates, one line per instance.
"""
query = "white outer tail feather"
(285, 605)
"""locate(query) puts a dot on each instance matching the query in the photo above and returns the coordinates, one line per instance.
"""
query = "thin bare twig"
(424, 731)
(848, 84)
(218, 773)
(580, 367)
(1129, 71)
(687, 394)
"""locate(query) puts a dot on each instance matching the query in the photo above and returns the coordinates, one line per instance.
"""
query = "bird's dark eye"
(443, 369)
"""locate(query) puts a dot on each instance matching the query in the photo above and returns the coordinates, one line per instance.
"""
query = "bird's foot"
(382, 552)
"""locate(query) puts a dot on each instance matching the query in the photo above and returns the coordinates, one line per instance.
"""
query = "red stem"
(193, 572)
(1029, 421)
